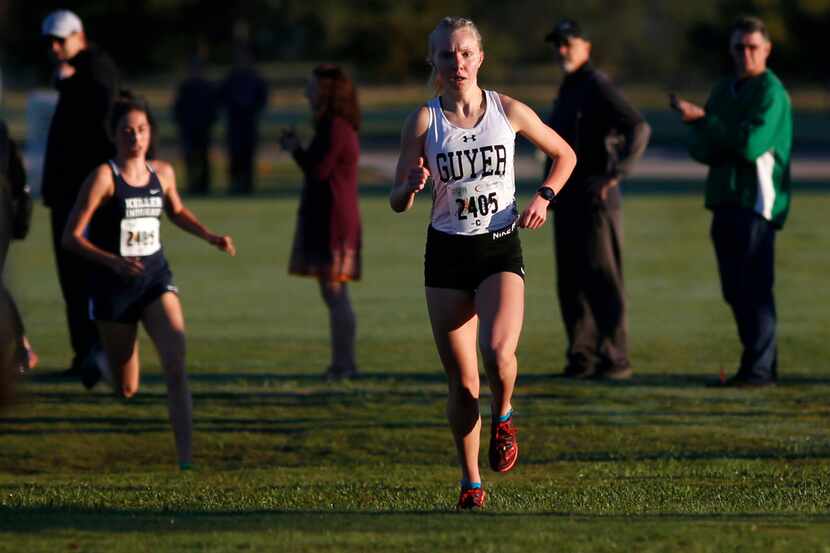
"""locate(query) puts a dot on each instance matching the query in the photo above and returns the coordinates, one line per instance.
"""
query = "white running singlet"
(474, 185)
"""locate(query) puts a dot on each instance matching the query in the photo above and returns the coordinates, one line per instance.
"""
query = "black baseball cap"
(565, 29)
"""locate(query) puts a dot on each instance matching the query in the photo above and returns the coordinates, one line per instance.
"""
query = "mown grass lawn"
(287, 462)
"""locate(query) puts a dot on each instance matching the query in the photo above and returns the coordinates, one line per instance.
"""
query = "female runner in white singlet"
(463, 139)
(115, 224)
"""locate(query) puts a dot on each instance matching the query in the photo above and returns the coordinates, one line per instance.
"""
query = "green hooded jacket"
(745, 139)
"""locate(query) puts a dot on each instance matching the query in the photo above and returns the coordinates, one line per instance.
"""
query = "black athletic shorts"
(123, 300)
(463, 262)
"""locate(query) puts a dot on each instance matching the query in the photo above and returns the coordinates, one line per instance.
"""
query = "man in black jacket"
(608, 135)
(244, 95)
(87, 82)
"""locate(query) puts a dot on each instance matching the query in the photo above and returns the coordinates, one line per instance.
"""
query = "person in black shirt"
(87, 83)
(608, 135)
(244, 96)
(195, 110)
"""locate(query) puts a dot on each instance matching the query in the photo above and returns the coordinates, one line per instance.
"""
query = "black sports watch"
(547, 193)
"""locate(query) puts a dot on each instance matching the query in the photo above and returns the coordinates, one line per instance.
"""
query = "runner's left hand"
(535, 213)
(224, 243)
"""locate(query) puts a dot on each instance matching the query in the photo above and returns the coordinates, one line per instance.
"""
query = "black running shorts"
(123, 300)
(463, 262)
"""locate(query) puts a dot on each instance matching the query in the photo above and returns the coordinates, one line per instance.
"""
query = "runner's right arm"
(412, 173)
(98, 187)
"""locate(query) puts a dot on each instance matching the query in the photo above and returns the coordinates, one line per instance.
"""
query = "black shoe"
(73, 372)
(614, 373)
(338, 373)
(742, 382)
(578, 373)
(90, 372)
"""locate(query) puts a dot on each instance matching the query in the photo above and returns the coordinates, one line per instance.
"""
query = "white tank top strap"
(494, 99)
(430, 105)
(431, 110)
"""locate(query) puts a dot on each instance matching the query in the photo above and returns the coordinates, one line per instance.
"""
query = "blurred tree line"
(653, 41)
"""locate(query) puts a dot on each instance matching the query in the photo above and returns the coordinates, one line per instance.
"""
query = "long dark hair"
(126, 102)
(337, 95)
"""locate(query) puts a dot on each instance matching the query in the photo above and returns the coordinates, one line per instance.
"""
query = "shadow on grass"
(28, 520)
(426, 377)
(53, 376)
(667, 380)
(222, 425)
(727, 424)
(687, 380)
(818, 453)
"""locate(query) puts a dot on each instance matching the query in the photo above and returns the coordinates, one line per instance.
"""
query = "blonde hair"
(451, 24)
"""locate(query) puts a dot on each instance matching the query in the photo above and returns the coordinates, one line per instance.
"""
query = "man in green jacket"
(744, 135)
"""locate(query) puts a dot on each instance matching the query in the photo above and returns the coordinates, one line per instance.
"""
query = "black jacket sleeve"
(632, 131)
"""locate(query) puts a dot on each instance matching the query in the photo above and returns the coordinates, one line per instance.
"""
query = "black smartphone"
(674, 101)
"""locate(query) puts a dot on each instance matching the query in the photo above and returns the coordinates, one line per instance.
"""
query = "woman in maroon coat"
(327, 241)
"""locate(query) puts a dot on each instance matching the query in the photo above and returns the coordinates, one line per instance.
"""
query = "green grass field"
(286, 462)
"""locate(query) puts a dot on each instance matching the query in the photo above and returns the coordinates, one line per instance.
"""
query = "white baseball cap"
(61, 23)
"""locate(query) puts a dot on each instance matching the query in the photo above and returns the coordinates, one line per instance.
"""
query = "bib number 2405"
(139, 237)
(477, 206)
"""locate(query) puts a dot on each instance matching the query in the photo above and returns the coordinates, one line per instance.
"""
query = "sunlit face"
(457, 57)
(573, 53)
(132, 136)
(749, 52)
(64, 49)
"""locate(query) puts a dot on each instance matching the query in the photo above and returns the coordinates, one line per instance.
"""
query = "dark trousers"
(745, 247)
(242, 166)
(74, 277)
(588, 242)
(198, 168)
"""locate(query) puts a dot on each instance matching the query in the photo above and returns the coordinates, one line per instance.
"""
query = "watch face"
(546, 193)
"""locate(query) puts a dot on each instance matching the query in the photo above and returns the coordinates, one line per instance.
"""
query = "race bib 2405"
(473, 203)
(139, 237)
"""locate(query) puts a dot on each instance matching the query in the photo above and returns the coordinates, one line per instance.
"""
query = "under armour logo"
(470, 137)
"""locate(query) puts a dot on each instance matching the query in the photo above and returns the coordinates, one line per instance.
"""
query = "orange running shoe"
(504, 447)
(472, 499)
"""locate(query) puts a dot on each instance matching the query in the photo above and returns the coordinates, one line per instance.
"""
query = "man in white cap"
(65, 35)
(87, 83)
(608, 135)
